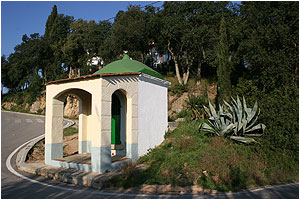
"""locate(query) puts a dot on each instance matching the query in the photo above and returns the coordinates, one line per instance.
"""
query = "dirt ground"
(70, 147)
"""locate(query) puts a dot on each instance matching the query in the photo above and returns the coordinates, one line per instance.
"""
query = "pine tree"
(50, 22)
(224, 66)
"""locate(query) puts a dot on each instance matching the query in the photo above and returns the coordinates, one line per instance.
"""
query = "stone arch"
(129, 88)
(118, 127)
(54, 134)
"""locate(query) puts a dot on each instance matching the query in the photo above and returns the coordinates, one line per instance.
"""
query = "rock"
(172, 125)
(180, 120)
(163, 189)
(39, 104)
(148, 188)
(72, 106)
(206, 191)
(176, 105)
(178, 190)
(35, 107)
(8, 105)
(197, 189)
(141, 167)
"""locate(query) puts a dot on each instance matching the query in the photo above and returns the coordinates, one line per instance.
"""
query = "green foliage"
(179, 89)
(182, 114)
(271, 44)
(83, 43)
(70, 131)
(132, 32)
(195, 105)
(280, 111)
(224, 65)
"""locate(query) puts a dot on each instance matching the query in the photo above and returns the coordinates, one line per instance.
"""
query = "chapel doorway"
(118, 117)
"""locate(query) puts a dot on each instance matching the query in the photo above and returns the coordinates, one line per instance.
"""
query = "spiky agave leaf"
(231, 111)
(209, 128)
(207, 111)
(227, 130)
(253, 112)
(212, 110)
(253, 121)
(243, 139)
(257, 127)
(240, 110)
(221, 117)
(247, 111)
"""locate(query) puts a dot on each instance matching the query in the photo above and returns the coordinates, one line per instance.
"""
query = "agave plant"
(234, 121)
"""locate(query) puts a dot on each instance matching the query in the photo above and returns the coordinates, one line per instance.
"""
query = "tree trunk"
(176, 64)
(199, 72)
(177, 71)
(142, 56)
(187, 73)
(45, 77)
(186, 77)
(70, 72)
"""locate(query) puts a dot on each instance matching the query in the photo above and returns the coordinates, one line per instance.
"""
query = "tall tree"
(270, 50)
(50, 23)
(82, 43)
(21, 69)
(174, 23)
(224, 65)
(56, 31)
(131, 32)
(270, 44)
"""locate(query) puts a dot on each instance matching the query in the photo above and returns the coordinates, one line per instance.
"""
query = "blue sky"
(27, 17)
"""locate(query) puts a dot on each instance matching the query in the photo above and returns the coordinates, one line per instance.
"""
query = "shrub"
(280, 111)
(179, 89)
(195, 105)
(183, 114)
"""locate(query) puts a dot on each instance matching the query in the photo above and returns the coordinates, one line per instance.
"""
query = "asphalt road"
(16, 129)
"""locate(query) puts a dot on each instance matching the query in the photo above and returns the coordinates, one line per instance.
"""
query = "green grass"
(188, 157)
(70, 131)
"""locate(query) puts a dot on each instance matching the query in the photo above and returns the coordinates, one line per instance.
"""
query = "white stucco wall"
(152, 112)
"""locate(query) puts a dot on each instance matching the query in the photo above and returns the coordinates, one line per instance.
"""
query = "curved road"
(17, 128)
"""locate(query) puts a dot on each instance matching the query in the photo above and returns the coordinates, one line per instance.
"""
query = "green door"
(115, 120)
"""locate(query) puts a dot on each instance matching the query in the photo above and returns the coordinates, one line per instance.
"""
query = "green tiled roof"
(126, 65)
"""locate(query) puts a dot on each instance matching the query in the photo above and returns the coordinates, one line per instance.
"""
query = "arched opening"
(57, 143)
(118, 121)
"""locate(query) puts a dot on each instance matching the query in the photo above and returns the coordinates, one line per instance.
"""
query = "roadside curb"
(22, 154)
(72, 176)
(96, 180)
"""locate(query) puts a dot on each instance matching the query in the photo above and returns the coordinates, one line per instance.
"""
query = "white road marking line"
(11, 169)
(40, 121)
(28, 120)
(17, 120)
